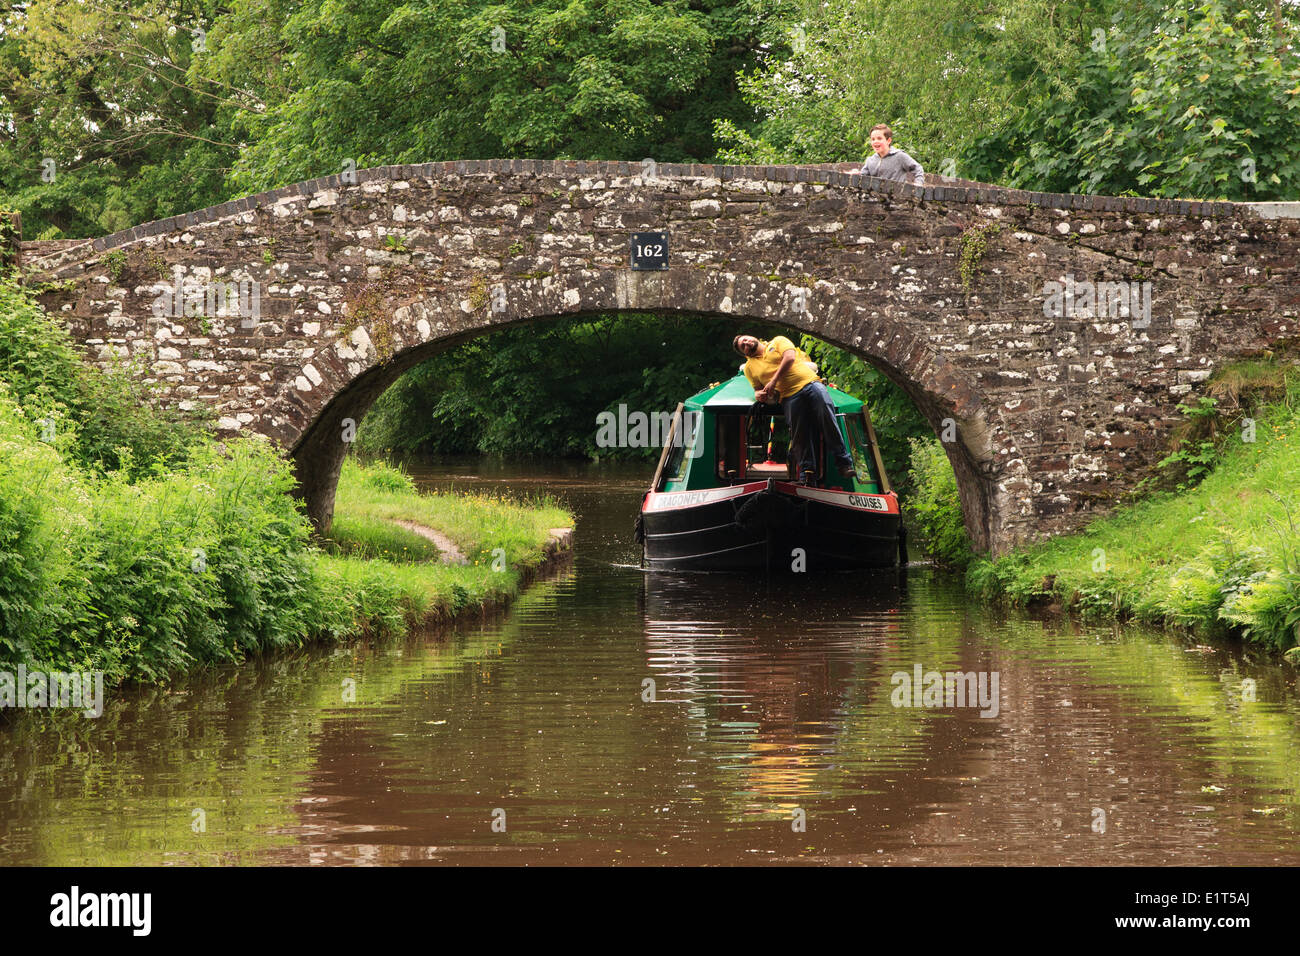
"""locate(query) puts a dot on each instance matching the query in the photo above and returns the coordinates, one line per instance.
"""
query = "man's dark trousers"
(807, 412)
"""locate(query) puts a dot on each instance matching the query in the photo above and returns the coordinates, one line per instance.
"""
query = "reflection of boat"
(723, 497)
(768, 697)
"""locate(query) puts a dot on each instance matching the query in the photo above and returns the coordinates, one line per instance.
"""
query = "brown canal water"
(769, 734)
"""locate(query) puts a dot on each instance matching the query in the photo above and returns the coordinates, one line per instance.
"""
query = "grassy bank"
(370, 554)
(1219, 554)
(133, 543)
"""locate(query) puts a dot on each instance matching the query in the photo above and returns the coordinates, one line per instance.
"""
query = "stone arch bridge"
(981, 302)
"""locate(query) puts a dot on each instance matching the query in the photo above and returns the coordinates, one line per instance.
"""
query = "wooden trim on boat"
(655, 483)
(875, 450)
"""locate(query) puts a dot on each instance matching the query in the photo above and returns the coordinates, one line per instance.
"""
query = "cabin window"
(675, 466)
(678, 440)
(860, 448)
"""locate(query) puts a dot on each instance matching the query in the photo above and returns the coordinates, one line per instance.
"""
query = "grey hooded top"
(896, 165)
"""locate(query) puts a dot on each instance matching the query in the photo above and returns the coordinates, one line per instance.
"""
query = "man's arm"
(788, 358)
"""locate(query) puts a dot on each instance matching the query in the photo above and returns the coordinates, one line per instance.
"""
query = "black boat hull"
(769, 525)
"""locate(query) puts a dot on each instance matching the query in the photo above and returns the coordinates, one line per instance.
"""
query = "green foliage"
(1195, 99)
(34, 520)
(9, 240)
(202, 564)
(934, 506)
(116, 262)
(144, 117)
(530, 391)
(1265, 603)
(382, 476)
(37, 360)
(105, 420)
(112, 96)
(974, 243)
(1187, 99)
(1195, 457)
(941, 73)
(398, 82)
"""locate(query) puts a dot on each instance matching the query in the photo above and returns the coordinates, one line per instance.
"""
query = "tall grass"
(478, 524)
(200, 565)
(363, 537)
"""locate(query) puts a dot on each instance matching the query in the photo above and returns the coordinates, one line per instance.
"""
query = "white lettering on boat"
(866, 501)
(861, 502)
(664, 501)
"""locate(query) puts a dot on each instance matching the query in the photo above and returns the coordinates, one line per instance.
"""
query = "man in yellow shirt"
(779, 368)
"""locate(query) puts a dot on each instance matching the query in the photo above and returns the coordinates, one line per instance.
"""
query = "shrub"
(110, 417)
(379, 476)
(35, 525)
(201, 565)
(934, 506)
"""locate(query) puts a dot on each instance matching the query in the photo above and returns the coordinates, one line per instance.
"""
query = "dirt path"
(448, 553)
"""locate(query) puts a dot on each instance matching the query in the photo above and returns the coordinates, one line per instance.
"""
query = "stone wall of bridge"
(1055, 407)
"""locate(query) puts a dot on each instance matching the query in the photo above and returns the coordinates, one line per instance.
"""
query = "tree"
(1191, 100)
(102, 124)
(383, 81)
(940, 73)
(149, 108)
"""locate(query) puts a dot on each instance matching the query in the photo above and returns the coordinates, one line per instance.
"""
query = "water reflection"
(1110, 745)
(767, 669)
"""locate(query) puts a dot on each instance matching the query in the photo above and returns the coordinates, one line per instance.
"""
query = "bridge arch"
(983, 456)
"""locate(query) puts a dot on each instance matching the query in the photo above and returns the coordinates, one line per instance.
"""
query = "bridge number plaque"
(649, 250)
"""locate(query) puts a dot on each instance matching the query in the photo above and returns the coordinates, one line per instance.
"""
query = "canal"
(611, 716)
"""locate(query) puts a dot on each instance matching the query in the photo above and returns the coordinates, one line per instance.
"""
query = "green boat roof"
(736, 392)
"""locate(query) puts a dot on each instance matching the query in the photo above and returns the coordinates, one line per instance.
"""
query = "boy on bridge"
(890, 163)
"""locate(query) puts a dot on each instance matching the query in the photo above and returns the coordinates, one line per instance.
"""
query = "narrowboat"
(724, 495)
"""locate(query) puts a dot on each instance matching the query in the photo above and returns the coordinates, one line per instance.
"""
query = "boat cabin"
(719, 438)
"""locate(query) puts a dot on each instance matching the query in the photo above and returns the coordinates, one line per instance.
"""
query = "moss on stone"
(973, 243)
(116, 263)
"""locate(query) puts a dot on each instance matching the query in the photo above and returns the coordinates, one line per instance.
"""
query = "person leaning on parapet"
(890, 163)
(778, 368)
